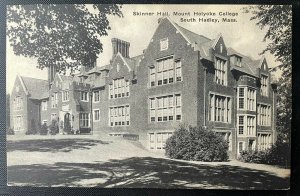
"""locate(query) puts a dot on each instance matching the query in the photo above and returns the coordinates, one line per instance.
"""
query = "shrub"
(253, 156)
(198, 144)
(44, 129)
(33, 130)
(54, 129)
(278, 154)
(10, 131)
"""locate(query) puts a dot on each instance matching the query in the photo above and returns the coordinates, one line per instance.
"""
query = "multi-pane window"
(18, 103)
(96, 96)
(84, 96)
(119, 88)
(54, 100)
(158, 140)
(241, 124)
(44, 105)
(164, 44)
(264, 85)
(84, 119)
(247, 125)
(251, 126)
(221, 71)
(178, 70)
(220, 108)
(119, 115)
(18, 123)
(251, 99)
(264, 115)
(165, 108)
(247, 98)
(65, 96)
(96, 115)
(264, 141)
(165, 71)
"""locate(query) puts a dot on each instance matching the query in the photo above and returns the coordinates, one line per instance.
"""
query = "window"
(220, 108)
(119, 88)
(53, 116)
(247, 98)
(264, 115)
(264, 85)
(178, 70)
(241, 125)
(96, 96)
(251, 126)
(84, 96)
(251, 99)
(247, 125)
(165, 108)
(164, 44)
(158, 140)
(18, 103)
(54, 100)
(239, 61)
(164, 72)
(65, 96)
(84, 120)
(96, 115)
(44, 105)
(241, 146)
(18, 123)
(264, 141)
(119, 116)
(221, 71)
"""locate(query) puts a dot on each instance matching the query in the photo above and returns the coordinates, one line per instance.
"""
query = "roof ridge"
(33, 78)
(192, 32)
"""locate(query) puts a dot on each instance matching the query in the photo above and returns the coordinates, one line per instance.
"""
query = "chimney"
(120, 46)
(51, 73)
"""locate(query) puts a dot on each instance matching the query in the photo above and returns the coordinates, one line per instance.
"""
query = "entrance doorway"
(67, 123)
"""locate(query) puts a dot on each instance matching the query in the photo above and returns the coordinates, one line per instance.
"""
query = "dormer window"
(164, 44)
(239, 61)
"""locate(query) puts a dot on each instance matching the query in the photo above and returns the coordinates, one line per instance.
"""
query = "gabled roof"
(133, 62)
(199, 42)
(249, 65)
(37, 88)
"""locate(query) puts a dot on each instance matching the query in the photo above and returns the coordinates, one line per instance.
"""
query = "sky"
(244, 35)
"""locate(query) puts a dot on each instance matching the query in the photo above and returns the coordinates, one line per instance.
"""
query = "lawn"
(107, 162)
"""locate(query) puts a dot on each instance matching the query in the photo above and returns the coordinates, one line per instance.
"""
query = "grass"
(92, 161)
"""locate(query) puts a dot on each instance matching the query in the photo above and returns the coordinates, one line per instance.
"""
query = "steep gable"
(37, 88)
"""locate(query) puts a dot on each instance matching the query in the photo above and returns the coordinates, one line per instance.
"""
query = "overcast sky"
(243, 35)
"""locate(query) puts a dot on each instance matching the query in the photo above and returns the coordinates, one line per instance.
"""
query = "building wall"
(24, 112)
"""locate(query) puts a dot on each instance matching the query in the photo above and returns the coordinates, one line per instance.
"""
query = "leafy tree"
(65, 36)
(277, 20)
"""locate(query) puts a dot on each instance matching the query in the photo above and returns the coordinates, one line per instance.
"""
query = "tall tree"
(66, 36)
(277, 20)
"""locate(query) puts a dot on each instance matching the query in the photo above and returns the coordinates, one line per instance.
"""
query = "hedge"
(197, 144)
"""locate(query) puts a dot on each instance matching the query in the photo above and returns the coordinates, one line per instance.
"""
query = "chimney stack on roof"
(120, 46)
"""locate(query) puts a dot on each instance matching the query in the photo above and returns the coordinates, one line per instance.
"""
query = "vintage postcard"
(149, 96)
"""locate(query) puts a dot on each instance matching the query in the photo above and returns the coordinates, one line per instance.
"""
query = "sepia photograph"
(149, 96)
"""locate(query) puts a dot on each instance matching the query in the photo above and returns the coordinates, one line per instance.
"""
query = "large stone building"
(180, 78)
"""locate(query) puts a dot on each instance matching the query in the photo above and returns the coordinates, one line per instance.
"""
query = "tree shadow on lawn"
(52, 145)
(144, 172)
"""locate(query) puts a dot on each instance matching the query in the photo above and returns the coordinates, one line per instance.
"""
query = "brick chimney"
(120, 46)
(51, 73)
